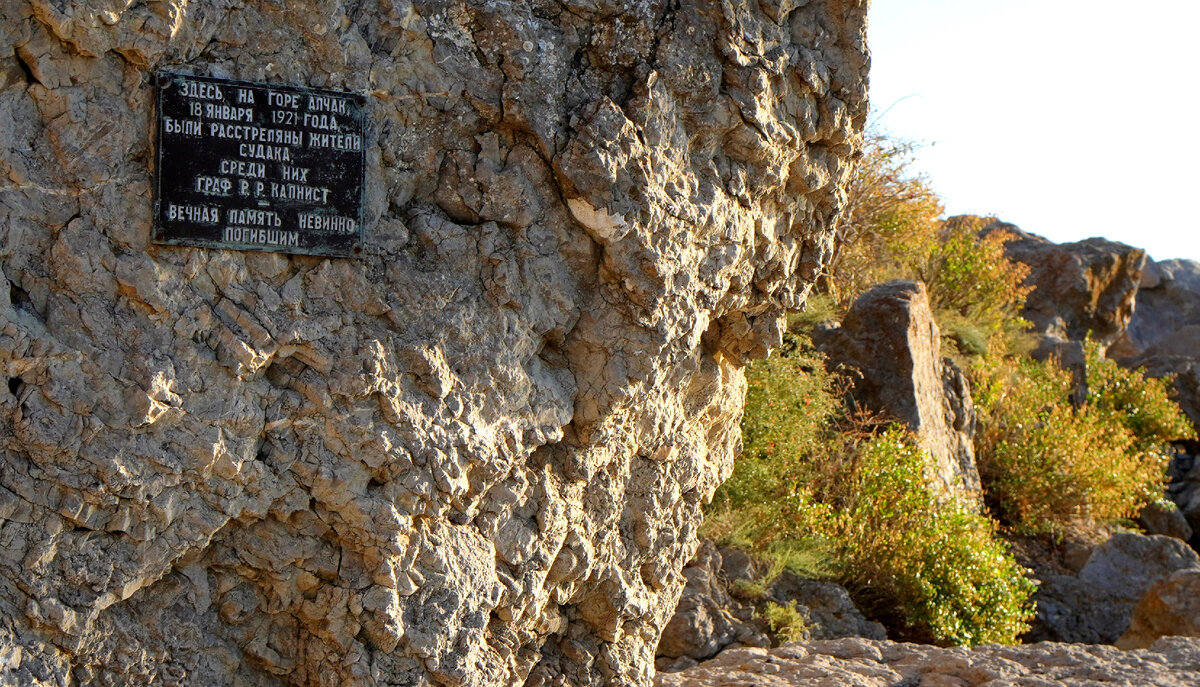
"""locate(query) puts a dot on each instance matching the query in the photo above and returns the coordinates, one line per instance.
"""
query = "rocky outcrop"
(707, 620)
(1164, 335)
(1171, 662)
(473, 455)
(1166, 322)
(1078, 288)
(1170, 608)
(1184, 490)
(722, 602)
(890, 346)
(1096, 606)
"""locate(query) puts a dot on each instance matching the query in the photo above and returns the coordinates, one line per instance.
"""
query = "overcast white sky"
(1069, 118)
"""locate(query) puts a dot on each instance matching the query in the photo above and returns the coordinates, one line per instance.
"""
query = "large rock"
(474, 455)
(890, 345)
(1167, 319)
(864, 663)
(1096, 606)
(1170, 608)
(1079, 288)
(1165, 519)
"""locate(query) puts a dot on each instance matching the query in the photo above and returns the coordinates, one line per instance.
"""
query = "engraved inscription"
(258, 167)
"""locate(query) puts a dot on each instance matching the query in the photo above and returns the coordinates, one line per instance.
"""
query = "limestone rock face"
(1172, 662)
(890, 345)
(476, 454)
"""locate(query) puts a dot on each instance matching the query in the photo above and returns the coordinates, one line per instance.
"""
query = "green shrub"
(749, 590)
(1141, 404)
(821, 494)
(1047, 466)
(934, 565)
(790, 402)
(976, 293)
(787, 622)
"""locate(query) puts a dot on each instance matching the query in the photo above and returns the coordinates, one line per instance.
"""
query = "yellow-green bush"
(786, 621)
(1141, 404)
(1047, 465)
(934, 565)
(821, 493)
(975, 291)
(891, 214)
(892, 228)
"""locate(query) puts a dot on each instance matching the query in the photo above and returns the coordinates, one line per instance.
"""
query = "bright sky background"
(1069, 118)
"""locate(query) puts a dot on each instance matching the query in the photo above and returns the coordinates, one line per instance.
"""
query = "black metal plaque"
(258, 167)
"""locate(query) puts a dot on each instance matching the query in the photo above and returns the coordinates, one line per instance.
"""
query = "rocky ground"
(1173, 662)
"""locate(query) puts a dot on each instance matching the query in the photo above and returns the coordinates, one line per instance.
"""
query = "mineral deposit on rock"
(476, 455)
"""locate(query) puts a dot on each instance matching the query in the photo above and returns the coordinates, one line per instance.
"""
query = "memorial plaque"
(258, 167)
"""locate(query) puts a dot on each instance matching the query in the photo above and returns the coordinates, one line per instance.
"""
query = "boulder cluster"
(1130, 590)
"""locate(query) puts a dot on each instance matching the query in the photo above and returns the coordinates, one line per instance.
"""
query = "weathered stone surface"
(1167, 319)
(1095, 607)
(711, 617)
(890, 345)
(1165, 519)
(476, 455)
(1079, 288)
(1164, 335)
(1184, 490)
(707, 620)
(1170, 608)
(1171, 662)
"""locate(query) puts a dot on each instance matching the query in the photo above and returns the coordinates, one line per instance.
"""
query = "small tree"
(891, 214)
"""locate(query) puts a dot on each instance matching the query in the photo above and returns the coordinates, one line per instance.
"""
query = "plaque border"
(156, 238)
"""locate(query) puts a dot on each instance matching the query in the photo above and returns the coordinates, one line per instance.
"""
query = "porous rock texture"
(890, 346)
(1173, 662)
(475, 455)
